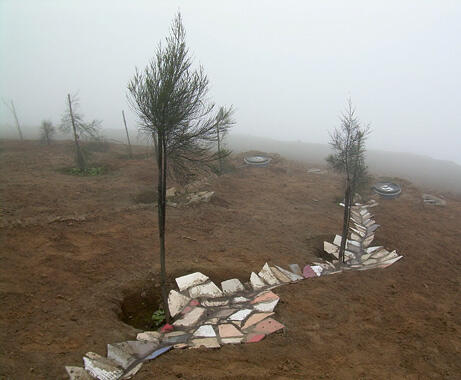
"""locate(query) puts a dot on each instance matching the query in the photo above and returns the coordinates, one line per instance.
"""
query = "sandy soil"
(63, 281)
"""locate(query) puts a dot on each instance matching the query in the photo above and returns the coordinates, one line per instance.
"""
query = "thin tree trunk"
(219, 150)
(80, 159)
(17, 121)
(345, 222)
(161, 202)
(130, 153)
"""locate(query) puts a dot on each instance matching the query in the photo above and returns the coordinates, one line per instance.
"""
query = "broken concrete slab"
(77, 373)
(268, 326)
(379, 254)
(206, 290)
(265, 296)
(231, 340)
(254, 338)
(385, 264)
(101, 367)
(356, 237)
(372, 249)
(120, 354)
(370, 261)
(366, 242)
(229, 331)
(279, 275)
(337, 240)
(267, 275)
(317, 269)
(189, 280)
(308, 272)
(211, 321)
(240, 315)
(239, 299)
(191, 318)
(296, 269)
(292, 276)
(215, 303)
(255, 318)
(149, 336)
(158, 352)
(373, 228)
(331, 248)
(266, 306)
(176, 302)
(256, 281)
(224, 313)
(232, 286)
(205, 342)
(205, 331)
(176, 337)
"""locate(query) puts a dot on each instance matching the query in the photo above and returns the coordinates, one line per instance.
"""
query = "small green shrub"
(158, 317)
(88, 172)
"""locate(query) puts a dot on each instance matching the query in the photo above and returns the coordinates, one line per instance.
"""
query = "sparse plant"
(47, 131)
(158, 317)
(169, 98)
(348, 158)
(72, 122)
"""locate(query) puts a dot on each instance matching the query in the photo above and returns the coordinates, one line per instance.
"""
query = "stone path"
(208, 316)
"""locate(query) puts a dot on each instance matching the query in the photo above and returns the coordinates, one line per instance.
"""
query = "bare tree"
(72, 120)
(348, 143)
(169, 98)
(47, 131)
(223, 123)
(13, 111)
(130, 152)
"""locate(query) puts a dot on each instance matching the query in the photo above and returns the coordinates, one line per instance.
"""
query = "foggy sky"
(286, 66)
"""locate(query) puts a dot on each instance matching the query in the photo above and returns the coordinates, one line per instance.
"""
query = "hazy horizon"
(287, 68)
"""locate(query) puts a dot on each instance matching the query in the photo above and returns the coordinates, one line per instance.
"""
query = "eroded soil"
(72, 248)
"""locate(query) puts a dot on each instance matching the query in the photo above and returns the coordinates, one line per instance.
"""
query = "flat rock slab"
(207, 290)
(205, 331)
(296, 269)
(176, 302)
(266, 306)
(308, 272)
(189, 280)
(215, 303)
(267, 275)
(254, 338)
(149, 336)
(231, 340)
(268, 326)
(205, 342)
(240, 315)
(229, 331)
(224, 313)
(239, 299)
(176, 337)
(232, 286)
(264, 297)
(101, 368)
(256, 281)
(255, 318)
(158, 352)
(191, 318)
(280, 276)
(77, 373)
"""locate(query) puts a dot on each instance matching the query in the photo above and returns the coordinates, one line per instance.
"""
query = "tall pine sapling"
(348, 158)
(169, 97)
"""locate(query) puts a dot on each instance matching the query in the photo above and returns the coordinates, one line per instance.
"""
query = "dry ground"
(63, 283)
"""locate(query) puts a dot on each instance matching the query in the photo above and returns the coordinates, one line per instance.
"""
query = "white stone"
(361, 228)
(77, 373)
(256, 281)
(369, 223)
(372, 249)
(358, 232)
(370, 261)
(380, 254)
(239, 299)
(368, 241)
(391, 255)
(330, 248)
(205, 331)
(189, 280)
(296, 269)
(240, 315)
(205, 342)
(337, 240)
(149, 336)
(207, 290)
(390, 261)
(101, 368)
(290, 275)
(364, 257)
(231, 340)
(317, 269)
(171, 192)
(356, 237)
(267, 275)
(279, 275)
(215, 303)
(266, 307)
(176, 302)
(232, 286)
(191, 318)
(120, 355)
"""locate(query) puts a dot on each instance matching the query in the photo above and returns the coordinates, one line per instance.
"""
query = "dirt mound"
(66, 286)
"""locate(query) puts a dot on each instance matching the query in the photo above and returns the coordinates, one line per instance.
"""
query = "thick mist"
(287, 67)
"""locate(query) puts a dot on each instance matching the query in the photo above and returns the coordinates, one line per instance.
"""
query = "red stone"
(308, 272)
(268, 296)
(167, 328)
(268, 326)
(254, 338)
(194, 303)
(186, 310)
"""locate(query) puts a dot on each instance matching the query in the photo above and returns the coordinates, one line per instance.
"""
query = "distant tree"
(223, 123)
(12, 109)
(348, 158)
(130, 152)
(47, 131)
(72, 120)
(169, 98)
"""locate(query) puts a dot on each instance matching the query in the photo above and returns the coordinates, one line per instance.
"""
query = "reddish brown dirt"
(62, 283)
